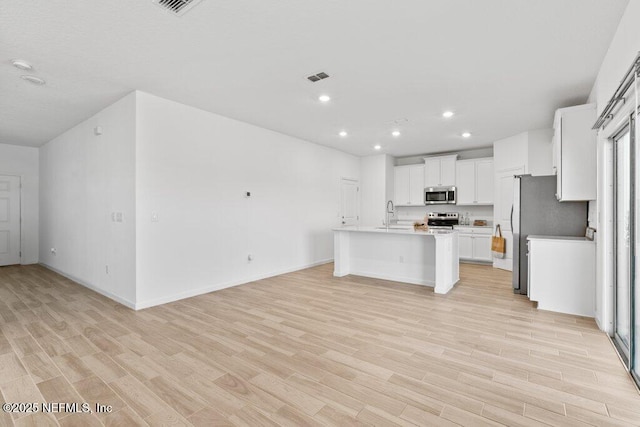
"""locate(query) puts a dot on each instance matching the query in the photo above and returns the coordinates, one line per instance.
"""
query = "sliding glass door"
(623, 238)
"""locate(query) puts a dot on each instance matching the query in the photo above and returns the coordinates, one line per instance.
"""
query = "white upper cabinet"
(416, 185)
(409, 185)
(466, 182)
(401, 195)
(440, 171)
(575, 153)
(484, 181)
(474, 181)
(432, 172)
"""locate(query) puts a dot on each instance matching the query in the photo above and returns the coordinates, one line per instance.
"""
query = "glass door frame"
(627, 355)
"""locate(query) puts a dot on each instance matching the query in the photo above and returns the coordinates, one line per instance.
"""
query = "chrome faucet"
(389, 211)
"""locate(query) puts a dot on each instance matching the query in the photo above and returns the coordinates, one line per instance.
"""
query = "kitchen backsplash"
(415, 213)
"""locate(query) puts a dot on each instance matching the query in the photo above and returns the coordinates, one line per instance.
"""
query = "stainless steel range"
(442, 220)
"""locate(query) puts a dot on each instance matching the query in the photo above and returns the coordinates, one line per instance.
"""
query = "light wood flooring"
(308, 349)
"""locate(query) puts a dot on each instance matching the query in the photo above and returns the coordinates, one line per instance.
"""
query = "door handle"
(511, 220)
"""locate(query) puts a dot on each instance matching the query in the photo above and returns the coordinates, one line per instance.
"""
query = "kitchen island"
(427, 258)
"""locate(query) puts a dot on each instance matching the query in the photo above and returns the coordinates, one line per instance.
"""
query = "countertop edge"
(560, 238)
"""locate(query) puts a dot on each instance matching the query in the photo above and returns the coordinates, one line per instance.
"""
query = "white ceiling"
(503, 66)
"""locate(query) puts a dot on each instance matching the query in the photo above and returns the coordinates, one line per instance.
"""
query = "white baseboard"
(109, 295)
(219, 286)
(186, 294)
(409, 280)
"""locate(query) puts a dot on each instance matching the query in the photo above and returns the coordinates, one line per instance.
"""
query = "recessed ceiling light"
(324, 98)
(395, 133)
(447, 114)
(377, 147)
(21, 65)
(466, 135)
(343, 133)
(34, 80)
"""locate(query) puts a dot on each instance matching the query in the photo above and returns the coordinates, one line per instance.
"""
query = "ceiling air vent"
(177, 7)
(317, 77)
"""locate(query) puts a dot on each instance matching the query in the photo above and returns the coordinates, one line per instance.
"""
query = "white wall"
(23, 162)
(84, 178)
(511, 152)
(376, 188)
(540, 152)
(193, 169)
(622, 50)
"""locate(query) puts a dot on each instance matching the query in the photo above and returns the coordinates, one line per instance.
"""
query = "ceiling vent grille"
(317, 77)
(177, 7)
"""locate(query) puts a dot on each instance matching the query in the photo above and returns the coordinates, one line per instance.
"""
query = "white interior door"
(349, 201)
(9, 220)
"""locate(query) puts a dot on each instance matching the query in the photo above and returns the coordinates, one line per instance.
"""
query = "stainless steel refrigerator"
(537, 211)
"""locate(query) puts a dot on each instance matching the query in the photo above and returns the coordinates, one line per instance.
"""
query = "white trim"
(102, 292)
(605, 222)
(220, 286)
(401, 279)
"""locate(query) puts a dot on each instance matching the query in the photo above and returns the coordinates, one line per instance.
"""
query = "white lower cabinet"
(562, 274)
(474, 244)
(465, 246)
(482, 247)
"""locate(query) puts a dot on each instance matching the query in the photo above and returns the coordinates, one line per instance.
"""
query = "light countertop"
(564, 238)
(394, 230)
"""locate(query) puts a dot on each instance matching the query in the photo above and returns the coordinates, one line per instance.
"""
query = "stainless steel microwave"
(440, 195)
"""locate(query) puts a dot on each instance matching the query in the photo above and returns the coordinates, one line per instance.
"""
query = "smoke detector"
(176, 7)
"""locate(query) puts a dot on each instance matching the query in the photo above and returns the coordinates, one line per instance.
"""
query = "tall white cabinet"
(474, 179)
(440, 171)
(525, 153)
(409, 185)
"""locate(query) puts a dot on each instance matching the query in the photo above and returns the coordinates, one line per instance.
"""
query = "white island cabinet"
(419, 257)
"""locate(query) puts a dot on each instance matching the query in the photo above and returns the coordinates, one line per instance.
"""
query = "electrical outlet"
(118, 216)
(53, 251)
